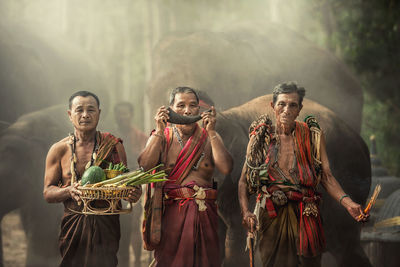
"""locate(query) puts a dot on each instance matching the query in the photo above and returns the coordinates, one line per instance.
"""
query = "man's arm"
(151, 154)
(222, 159)
(52, 193)
(334, 189)
(249, 219)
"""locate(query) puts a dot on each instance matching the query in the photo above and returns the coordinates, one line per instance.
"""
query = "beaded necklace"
(195, 166)
(74, 159)
(178, 137)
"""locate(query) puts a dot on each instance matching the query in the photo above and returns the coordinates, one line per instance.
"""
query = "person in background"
(134, 141)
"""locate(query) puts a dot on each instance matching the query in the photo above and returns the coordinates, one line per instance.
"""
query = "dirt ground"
(14, 243)
(14, 240)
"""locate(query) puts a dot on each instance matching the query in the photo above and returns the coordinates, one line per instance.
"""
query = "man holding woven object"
(188, 225)
(284, 164)
(85, 240)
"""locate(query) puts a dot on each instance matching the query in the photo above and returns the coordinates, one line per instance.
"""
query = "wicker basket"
(111, 195)
(112, 173)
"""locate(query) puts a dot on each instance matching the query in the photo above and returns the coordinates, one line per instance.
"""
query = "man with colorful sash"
(85, 240)
(190, 154)
(284, 164)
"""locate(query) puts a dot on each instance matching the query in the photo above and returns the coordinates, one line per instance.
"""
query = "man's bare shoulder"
(60, 148)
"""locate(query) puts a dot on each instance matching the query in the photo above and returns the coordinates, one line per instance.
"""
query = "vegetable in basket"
(92, 175)
(137, 177)
(118, 167)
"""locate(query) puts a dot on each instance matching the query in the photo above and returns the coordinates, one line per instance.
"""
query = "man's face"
(123, 116)
(186, 104)
(84, 113)
(286, 108)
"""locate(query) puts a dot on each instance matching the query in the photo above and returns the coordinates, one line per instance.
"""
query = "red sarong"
(189, 237)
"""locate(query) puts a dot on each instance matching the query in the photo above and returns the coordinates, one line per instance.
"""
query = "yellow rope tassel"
(73, 174)
(316, 144)
(88, 164)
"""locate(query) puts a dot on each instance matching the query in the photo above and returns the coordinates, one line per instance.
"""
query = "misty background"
(109, 47)
(118, 38)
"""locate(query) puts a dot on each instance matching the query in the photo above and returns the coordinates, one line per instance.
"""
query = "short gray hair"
(287, 88)
(83, 94)
(180, 90)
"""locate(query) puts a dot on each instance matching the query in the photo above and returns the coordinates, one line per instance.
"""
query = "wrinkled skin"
(26, 143)
(350, 164)
(23, 149)
(37, 71)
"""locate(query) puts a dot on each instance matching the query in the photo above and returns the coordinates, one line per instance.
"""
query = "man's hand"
(134, 194)
(250, 221)
(355, 210)
(74, 192)
(161, 118)
(209, 120)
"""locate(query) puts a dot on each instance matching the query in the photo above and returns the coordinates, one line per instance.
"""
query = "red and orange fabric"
(285, 229)
(188, 236)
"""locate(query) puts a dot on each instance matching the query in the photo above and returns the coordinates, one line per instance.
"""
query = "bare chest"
(83, 156)
(202, 164)
(286, 153)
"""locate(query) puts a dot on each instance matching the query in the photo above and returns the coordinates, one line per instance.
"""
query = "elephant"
(350, 164)
(34, 64)
(25, 143)
(38, 71)
(244, 60)
(23, 149)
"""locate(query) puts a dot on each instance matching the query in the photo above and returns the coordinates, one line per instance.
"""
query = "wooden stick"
(250, 246)
(374, 196)
(372, 200)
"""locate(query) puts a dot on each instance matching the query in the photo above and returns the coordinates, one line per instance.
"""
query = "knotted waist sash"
(269, 196)
(190, 191)
(277, 190)
(311, 237)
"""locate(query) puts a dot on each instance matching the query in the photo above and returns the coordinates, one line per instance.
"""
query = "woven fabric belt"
(273, 195)
(198, 194)
(186, 192)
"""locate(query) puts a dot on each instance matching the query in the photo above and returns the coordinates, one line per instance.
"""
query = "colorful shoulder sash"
(188, 156)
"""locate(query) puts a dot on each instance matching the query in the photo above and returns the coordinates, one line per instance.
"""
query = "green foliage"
(380, 121)
(367, 34)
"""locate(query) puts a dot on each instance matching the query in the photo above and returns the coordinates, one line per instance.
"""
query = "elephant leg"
(229, 211)
(8, 205)
(221, 237)
(235, 243)
(42, 227)
(342, 236)
(1, 243)
(353, 253)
